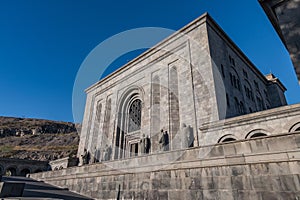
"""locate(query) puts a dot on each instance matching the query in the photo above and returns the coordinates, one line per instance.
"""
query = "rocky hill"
(11, 126)
(37, 139)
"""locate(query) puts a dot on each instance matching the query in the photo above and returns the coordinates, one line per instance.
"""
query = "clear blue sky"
(44, 42)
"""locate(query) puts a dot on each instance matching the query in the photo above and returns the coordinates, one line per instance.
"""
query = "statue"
(144, 145)
(191, 137)
(147, 145)
(83, 159)
(97, 155)
(107, 153)
(187, 136)
(184, 136)
(93, 158)
(164, 140)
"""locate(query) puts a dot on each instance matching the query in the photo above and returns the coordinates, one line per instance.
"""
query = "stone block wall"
(253, 169)
(21, 167)
(203, 77)
(186, 94)
(249, 87)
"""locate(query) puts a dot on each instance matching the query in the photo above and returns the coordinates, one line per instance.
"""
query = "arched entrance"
(129, 124)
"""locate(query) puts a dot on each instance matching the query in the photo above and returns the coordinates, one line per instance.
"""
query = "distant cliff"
(37, 139)
(10, 126)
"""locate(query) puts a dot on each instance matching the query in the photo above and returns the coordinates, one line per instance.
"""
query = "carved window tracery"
(134, 121)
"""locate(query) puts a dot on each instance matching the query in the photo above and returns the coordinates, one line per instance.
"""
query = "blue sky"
(43, 44)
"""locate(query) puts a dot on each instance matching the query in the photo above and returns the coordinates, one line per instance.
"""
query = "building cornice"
(205, 18)
(200, 20)
(253, 117)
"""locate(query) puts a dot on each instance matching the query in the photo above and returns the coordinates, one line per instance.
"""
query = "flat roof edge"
(204, 17)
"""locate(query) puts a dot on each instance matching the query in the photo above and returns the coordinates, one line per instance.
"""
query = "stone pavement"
(40, 190)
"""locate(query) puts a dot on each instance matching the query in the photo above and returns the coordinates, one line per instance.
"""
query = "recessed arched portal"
(129, 124)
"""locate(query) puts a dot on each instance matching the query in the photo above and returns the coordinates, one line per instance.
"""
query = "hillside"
(11, 126)
(37, 139)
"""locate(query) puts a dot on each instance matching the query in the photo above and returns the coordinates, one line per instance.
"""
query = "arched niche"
(295, 127)
(227, 138)
(256, 133)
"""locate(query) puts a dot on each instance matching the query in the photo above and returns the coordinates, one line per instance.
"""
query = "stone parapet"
(63, 163)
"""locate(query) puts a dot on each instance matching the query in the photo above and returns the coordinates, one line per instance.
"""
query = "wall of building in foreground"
(284, 16)
(258, 168)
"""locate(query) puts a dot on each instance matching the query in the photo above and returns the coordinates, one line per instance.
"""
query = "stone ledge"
(187, 159)
(279, 112)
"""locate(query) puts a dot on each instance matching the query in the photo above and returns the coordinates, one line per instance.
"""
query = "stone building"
(285, 18)
(21, 167)
(230, 133)
(196, 76)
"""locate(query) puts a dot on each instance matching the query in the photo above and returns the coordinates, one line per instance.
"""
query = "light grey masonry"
(203, 77)
(196, 82)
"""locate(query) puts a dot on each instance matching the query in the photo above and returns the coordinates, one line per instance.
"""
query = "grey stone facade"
(195, 84)
(195, 76)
